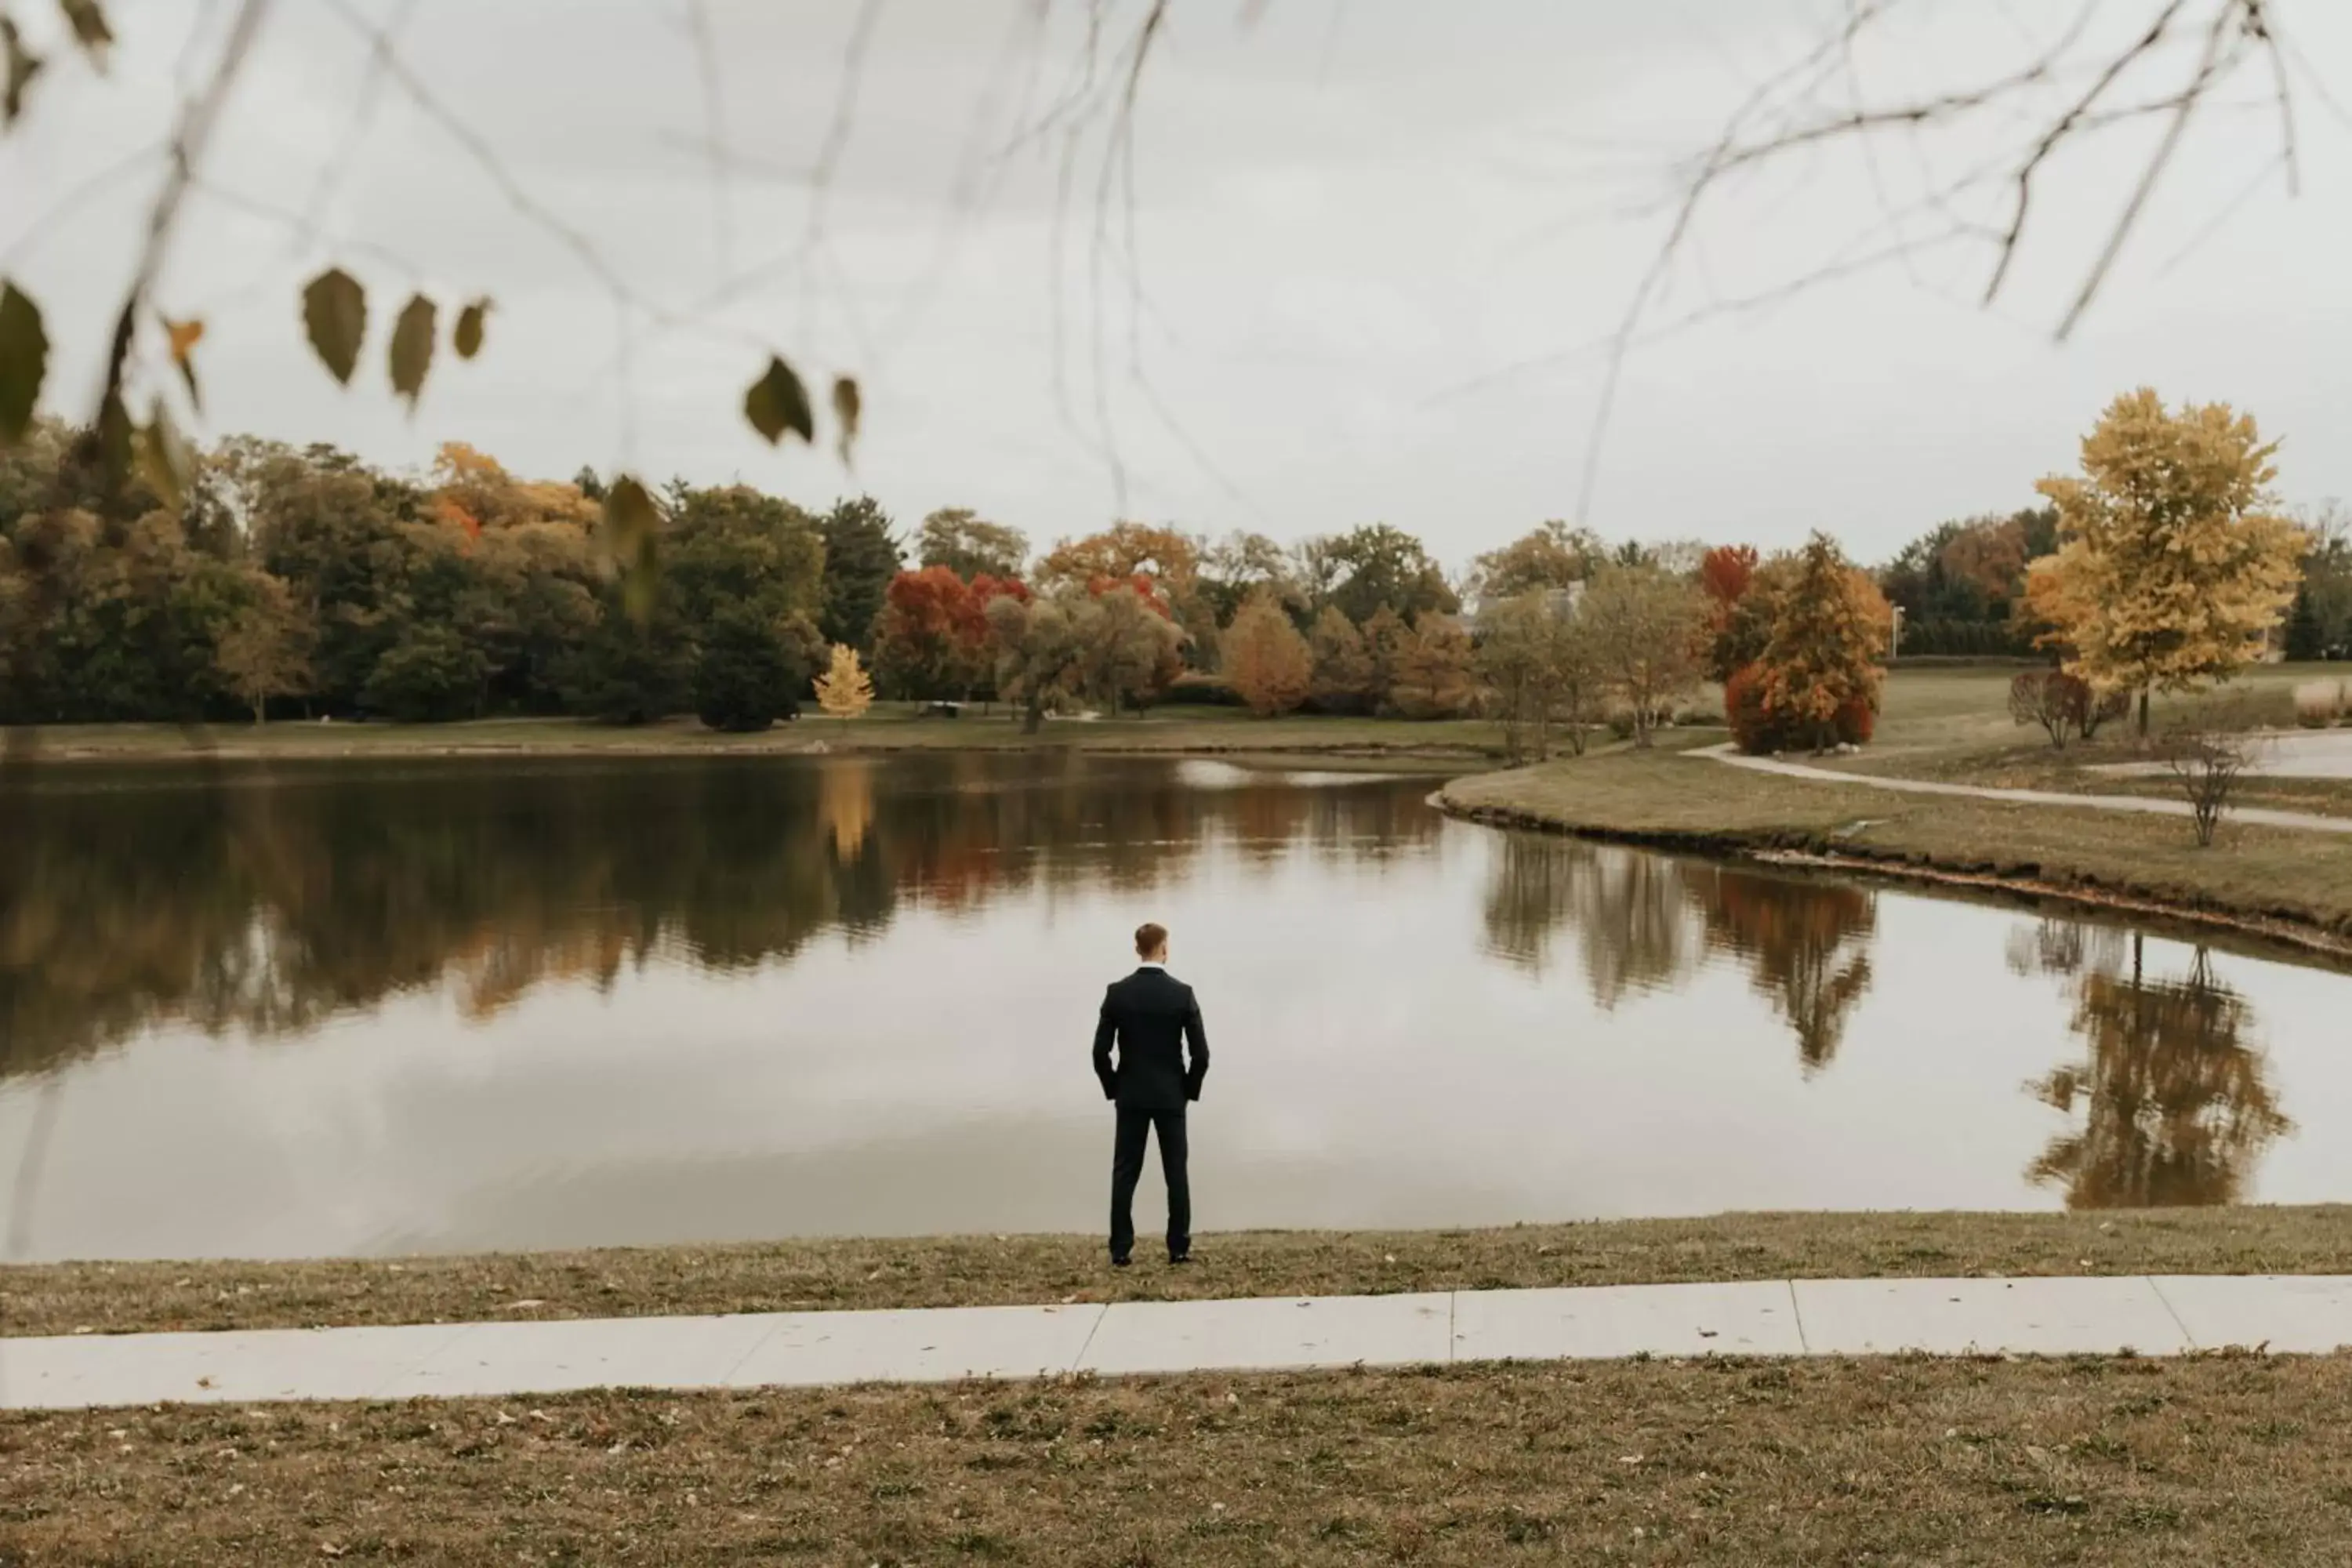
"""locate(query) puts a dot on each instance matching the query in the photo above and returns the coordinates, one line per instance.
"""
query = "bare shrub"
(2207, 756)
(2058, 701)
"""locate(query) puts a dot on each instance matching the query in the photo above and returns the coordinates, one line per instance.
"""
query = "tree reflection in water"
(1642, 921)
(266, 901)
(1807, 944)
(2177, 1107)
(1630, 913)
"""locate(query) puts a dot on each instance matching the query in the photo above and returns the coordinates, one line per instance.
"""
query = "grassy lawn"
(890, 726)
(114, 1298)
(2119, 1461)
(1954, 725)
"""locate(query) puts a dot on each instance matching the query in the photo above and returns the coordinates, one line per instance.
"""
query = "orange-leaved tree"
(1830, 630)
(1266, 660)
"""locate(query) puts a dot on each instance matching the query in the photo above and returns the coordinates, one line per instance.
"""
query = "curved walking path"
(2311, 822)
(2171, 1315)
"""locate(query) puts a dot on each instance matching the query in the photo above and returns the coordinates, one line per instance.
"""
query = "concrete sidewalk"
(2173, 1315)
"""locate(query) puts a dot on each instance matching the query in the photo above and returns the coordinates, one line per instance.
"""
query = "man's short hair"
(1150, 938)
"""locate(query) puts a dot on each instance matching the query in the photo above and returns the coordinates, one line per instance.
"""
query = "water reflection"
(447, 1007)
(1807, 944)
(2177, 1107)
(265, 903)
(1642, 922)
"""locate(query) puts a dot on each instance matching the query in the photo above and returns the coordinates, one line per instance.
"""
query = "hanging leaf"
(186, 336)
(23, 67)
(847, 404)
(632, 537)
(166, 460)
(777, 403)
(334, 312)
(90, 29)
(24, 361)
(467, 339)
(412, 348)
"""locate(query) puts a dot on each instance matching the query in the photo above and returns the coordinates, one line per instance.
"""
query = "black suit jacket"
(1152, 1016)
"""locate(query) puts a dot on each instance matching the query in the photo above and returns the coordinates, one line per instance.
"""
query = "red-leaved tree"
(920, 650)
(933, 640)
(1726, 573)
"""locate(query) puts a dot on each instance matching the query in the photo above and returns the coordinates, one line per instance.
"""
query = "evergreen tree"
(861, 557)
(745, 678)
(2304, 640)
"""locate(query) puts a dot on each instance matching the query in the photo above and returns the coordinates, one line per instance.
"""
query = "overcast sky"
(1377, 242)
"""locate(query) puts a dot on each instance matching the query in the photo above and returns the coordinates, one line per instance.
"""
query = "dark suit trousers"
(1126, 1169)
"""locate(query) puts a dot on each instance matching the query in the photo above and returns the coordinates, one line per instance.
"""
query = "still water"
(333, 1009)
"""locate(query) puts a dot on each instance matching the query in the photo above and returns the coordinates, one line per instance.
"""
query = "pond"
(363, 1009)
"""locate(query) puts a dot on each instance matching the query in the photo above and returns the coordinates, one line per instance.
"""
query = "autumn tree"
(263, 652)
(1163, 564)
(1343, 679)
(1646, 625)
(1432, 674)
(970, 546)
(1169, 556)
(844, 690)
(921, 648)
(2171, 567)
(1724, 575)
(1830, 627)
(1266, 660)
(1384, 635)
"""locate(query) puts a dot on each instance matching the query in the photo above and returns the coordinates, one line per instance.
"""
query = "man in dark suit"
(1153, 1019)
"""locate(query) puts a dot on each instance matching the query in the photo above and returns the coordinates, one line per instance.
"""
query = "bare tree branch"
(190, 136)
(2154, 170)
(1785, 116)
(363, 109)
(714, 120)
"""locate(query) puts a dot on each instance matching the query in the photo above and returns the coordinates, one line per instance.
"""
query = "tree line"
(282, 580)
(303, 581)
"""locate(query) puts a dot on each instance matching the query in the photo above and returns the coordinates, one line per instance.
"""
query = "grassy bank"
(890, 727)
(1953, 724)
(115, 1297)
(2118, 1462)
(2293, 885)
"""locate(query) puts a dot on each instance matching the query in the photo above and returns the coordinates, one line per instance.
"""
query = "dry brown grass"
(2222, 1460)
(64, 1299)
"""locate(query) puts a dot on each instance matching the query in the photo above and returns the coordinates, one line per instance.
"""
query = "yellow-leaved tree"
(844, 690)
(2171, 568)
